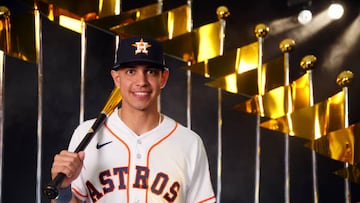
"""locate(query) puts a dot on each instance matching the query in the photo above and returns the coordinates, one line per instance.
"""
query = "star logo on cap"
(141, 47)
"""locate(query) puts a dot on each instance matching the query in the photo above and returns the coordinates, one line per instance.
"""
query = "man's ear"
(115, 77)
(164, 78)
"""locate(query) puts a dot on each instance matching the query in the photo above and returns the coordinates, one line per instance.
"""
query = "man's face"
(139, 85)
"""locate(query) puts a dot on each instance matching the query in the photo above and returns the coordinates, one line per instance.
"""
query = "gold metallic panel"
(196, 46)
(126, 17)
(245, 83)
(341, 145)
(17, 34)
(66, 13)
(161, 27)
(240, 60)
(229, 83)
(108, 7)
(70, 16)
(274, 103)
(312, 122)
(82, 9)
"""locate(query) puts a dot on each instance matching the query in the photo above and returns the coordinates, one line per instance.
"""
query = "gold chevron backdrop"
(276, 102)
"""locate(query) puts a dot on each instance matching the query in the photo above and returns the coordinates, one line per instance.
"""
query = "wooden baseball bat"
(51, 189)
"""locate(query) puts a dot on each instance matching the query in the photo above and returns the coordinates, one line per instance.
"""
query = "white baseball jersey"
(166, 164)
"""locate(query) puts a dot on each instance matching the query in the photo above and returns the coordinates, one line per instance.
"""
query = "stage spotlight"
(335, 11)
(305, 16)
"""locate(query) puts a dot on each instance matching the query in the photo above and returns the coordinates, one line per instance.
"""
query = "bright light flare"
(305, 16)
(335, 11)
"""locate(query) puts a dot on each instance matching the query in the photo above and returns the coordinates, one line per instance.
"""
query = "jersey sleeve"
(78, 187)
(201, 189)
(79, 134)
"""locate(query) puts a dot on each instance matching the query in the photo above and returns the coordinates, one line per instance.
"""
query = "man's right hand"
(68, 163)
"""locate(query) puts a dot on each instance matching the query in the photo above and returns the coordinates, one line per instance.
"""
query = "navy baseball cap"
(140, 49)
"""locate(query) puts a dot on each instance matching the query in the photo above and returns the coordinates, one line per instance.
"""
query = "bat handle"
(51, 189)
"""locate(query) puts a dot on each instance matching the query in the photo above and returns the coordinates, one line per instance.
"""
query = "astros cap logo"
(141, 47)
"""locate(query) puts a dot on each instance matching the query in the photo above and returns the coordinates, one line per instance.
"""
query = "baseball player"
(139, 155)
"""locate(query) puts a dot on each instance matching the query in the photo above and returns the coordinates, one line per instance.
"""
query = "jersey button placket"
(139, 149)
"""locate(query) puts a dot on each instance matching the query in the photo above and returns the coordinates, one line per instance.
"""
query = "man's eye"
(152, 71)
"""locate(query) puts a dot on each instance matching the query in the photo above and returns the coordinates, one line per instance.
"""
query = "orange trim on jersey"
(129, 160)
(78, 193)
(152, 147)
(205, 200)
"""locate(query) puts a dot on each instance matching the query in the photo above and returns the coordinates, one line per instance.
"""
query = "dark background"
(61, 90)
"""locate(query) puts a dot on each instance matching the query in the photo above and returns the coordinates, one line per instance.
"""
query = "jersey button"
(139, 142)
(138, 156)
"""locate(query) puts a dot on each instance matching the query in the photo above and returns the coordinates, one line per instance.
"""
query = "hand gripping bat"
(51, 189)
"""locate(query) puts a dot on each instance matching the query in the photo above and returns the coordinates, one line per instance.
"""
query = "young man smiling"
(139, 155)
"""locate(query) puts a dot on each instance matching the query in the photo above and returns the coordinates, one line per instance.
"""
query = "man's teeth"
(141, 93)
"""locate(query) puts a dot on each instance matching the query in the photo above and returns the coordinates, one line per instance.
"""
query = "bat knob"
(51, 189)
(50, 192)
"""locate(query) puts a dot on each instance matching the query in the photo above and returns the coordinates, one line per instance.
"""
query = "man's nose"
(141, 79)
